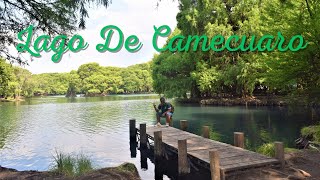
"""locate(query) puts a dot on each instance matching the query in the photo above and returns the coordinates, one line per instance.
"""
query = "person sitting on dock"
(164, 110)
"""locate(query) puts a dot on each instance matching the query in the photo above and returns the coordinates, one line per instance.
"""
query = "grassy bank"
(311, 133)
(80, 167)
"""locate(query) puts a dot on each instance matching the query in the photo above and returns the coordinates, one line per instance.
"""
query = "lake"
(32, 131)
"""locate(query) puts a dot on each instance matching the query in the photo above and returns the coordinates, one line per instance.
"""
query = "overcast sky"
(133, 17)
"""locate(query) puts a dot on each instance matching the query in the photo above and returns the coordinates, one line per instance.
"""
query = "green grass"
(128, 167)
(84, 165)
(312, 131)
(291, 150)
(71, 166)
(267, 149)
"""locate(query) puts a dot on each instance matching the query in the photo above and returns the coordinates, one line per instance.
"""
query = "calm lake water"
(32, 131)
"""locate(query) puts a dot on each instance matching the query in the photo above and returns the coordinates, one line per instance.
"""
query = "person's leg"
(168, 118)
(158, 117)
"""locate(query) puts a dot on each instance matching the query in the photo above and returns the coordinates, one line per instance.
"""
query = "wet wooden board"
(231, 158)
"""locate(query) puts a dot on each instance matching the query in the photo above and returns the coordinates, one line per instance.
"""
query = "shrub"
(71, 166)
(312, 132)
(267, 149)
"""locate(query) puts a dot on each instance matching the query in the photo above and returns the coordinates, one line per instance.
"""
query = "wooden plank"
(248, 165)
(223, 152)
(240, 159)
(202, 154)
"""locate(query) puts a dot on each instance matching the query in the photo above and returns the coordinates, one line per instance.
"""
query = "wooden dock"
(231, 158)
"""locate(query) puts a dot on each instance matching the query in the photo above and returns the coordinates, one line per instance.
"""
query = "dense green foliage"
(48, 16)
(90, 79)
(312, 132)
(210, 73)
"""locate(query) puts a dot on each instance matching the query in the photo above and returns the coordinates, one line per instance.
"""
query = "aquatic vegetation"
(71, 166)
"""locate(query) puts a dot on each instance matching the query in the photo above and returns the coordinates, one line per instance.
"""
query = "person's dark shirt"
(165, 107)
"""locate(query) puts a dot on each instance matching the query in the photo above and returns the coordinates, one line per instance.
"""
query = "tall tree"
(6, 79)
(294, 72)
(48, 16)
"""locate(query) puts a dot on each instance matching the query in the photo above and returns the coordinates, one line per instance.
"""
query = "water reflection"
(8, 125)
(166, 165)
(167, 168)
(159, 169)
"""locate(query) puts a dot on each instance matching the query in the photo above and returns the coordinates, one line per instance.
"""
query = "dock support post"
(214, 165)
(222, 175)
(132, 130)
(183, 125)
(183, 164)
(239, 139)
(144, 158)
(158, 143)
(143, 135)
(279, 148)
(205, 132)
(133, 148)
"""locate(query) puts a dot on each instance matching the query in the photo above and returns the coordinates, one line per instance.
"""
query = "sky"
(133, 17)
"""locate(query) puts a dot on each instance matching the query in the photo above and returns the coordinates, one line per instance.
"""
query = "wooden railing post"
(183, 164)
(214, 165)
(132, 130)
(279, 153)
(183, 125)
(239, 139)
(158, 143)
(143, 135)
(205, 132)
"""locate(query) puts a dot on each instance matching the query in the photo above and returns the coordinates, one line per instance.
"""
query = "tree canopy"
(90, 79)
(226, 73)
(48, 16)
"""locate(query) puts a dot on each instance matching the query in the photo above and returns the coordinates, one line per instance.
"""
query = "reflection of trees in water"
(260, 124)
(97, 116)
(8, 123)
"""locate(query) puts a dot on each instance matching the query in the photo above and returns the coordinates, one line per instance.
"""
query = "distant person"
(164, 110)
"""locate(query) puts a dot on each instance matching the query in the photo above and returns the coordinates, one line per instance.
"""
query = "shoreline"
(303, 164)
(123, 171)
(276, 101)
(12, 100)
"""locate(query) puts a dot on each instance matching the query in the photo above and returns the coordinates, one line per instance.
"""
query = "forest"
(90, 79)
(242, 73)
